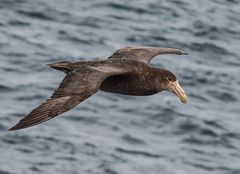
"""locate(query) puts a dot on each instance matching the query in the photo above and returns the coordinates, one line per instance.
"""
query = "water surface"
(116, 134)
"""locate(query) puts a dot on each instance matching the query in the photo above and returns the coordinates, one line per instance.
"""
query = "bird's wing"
(75, 87)
(143, 53)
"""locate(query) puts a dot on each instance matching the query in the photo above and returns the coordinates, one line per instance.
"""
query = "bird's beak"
(177, 89)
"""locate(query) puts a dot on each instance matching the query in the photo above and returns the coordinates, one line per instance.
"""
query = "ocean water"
(115, 134)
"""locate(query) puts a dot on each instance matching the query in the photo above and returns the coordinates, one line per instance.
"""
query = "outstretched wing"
(143, 53)
(75, 87)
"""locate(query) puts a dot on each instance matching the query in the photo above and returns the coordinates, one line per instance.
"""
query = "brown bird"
(127, 72)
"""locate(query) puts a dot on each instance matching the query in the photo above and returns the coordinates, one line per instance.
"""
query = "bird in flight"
(126, 71)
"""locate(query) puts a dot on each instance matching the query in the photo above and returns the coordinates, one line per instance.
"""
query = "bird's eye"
(169, 78)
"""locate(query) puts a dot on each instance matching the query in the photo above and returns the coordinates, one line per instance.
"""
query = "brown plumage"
(125, 72)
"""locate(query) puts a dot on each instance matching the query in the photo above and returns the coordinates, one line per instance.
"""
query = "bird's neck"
(155, 79)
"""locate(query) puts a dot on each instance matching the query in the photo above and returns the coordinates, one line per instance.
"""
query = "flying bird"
(126, 71)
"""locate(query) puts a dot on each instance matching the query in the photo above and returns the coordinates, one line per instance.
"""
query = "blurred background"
(117, 134)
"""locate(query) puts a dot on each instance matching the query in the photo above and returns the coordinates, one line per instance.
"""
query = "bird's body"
(129, 85)
(132, 84)
(125, 72)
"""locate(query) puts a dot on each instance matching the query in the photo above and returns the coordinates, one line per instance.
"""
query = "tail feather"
(61, 66)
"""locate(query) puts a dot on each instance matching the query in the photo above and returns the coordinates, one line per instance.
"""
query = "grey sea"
(116, 134)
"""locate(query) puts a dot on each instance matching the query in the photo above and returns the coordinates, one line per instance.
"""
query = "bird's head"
(168, 81)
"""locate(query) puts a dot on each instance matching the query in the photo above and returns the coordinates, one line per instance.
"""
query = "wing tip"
(171, 51)
(22, 124)
(16, 127)
(61, 66)
(183, 52)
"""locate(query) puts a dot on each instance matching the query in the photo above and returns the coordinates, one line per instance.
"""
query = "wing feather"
(75, 87)
(143, 53)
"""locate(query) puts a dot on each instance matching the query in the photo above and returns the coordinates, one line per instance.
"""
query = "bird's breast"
(128, 85)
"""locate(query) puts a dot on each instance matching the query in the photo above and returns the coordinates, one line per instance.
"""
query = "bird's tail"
(61, 66)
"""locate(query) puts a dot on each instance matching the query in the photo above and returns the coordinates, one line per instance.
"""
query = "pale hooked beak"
(177, 89)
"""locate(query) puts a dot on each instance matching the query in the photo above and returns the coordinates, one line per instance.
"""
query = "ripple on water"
(188, 126)
(35, 14)
(132, 140)
(16, 139)
(4, 88)
(214, 124)
(209, 48)
(200, 97)
(4, 172)
(17, 23)
(135, 9)
(32, 97)
(136, 153)
(222, 96)
(2, 127)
